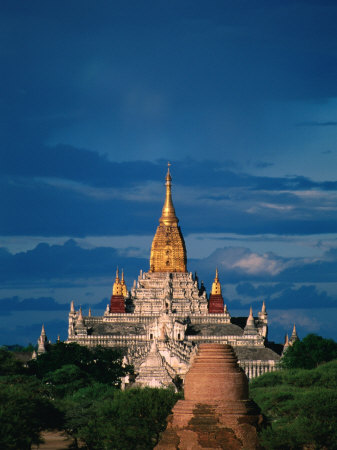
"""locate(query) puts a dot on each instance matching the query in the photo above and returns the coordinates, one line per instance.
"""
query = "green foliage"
(103, 365)
(105, 418)
(25, 410)
(66, 380)
(309, 353)
(16, 348)
(9, 365)
(301, 406)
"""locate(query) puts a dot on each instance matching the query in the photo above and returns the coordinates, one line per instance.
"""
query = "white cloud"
(254, 264)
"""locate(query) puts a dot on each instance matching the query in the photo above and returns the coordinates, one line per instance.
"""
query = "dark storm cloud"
(11, 304)
(302, 297)
(240, 265)
(71, 263)
(24, 334)
(64, 191)
(248, 289)
(93, 169)
(67, 262)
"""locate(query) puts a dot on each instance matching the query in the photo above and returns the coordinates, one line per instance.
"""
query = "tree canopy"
(309, 352)
(103, 365)
(301, 407)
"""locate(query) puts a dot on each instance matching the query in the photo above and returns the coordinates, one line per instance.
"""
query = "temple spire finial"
(294, 336)
(117, 286)
(216, 286)
(168, 216)
(168, 251)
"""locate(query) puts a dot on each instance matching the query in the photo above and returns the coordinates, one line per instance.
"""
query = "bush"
(301, 409)
(25, 410)
(309, 353)
(105, 418)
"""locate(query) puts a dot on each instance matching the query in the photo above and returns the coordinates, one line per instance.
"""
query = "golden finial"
(123, 285)
(117, 287)
(216, 286)
(168, 216)
(168, 251)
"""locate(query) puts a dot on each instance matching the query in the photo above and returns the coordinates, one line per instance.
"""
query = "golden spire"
(168, 251)
(117, 287)
(123, 285)
(168, 216)
(216, 286)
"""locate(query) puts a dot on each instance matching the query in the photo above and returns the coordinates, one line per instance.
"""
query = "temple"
(167, 314)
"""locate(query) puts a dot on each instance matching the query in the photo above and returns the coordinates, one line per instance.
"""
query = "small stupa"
(216, 412)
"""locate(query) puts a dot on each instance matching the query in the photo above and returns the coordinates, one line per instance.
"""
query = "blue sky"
(96, 97)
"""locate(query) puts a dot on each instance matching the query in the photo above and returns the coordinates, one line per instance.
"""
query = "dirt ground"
(54, 440)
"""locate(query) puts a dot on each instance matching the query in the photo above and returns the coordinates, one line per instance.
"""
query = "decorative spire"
(89, 313)
(168, 216)
(250, 327)
(117, 286)
(294, 336)
(123, 285)
(263, 310)
(168, 251)
(42, 341)
(58, 338)
(72, 307)
(216, 286)
(80, 316)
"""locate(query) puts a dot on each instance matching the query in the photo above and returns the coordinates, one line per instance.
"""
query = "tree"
(301, 407)
(309, 353)
(99, 363)
(66, 380)
(25, 410)
(104, 417)
(9, 365)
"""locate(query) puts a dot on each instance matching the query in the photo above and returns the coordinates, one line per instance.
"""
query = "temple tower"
(216, 411)
(168, 251)
(215, 304)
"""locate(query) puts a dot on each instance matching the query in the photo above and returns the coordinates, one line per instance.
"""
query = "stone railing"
(256, 368)
(236, 341)
(211, 318)
(126, 317)
(179, 349)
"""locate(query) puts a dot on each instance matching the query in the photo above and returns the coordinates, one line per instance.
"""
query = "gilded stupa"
(167, 313)
(168, 251)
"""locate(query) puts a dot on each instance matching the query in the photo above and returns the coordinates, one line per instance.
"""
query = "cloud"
(65, 191)
(287, 296)
(250, 290)
(11, 304)
(67, 262)
(23, 334)
(239, 263)
(71, 263)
